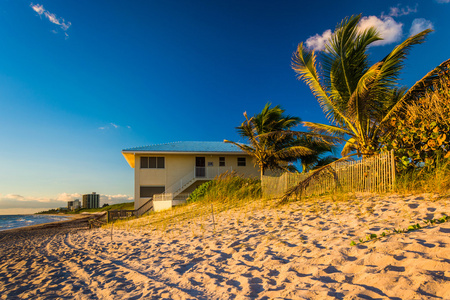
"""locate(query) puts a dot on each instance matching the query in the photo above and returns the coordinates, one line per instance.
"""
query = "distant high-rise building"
(91, 200)
(76, 204)
(70, 205)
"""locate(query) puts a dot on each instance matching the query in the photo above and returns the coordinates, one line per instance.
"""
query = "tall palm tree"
(271, 142)
(358, 99)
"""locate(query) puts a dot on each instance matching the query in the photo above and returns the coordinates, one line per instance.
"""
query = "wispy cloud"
(388, 28)
(443, 1)
(398, 11)
(419, 25)
(112, 126)
(41, 11)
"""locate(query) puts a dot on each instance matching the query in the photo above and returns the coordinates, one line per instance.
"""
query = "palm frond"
(293, 152)
(329, 130)
(417, 91)
(350, 146)
(247, 149)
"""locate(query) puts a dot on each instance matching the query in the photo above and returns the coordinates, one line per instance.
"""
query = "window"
(152, 162)
(241, 161)
(210, 164)
(221, 161)
(149, 191)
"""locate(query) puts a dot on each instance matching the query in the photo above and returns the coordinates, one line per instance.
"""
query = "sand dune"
(298, 251)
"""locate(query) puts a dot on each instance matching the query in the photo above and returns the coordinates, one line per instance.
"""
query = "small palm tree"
(271, 142)
(358, 99)
(319, 157)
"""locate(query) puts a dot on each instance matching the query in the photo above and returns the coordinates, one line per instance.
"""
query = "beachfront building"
(165, 174)
(91, 200)
(76, 204)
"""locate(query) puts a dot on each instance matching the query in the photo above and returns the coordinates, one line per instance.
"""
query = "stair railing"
(175, 188)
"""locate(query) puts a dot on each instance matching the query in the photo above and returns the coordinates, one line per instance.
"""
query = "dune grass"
(422, 180)
(242, 196)
(228, 191)
(119, 206)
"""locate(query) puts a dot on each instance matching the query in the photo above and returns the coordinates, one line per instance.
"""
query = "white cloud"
(114, 125)
(318, 42)
(388, 28)
(398, 11)
(114, 199)
(128, 126)
(419, 25)
(37, 8)
(40, 10)
(443, 1)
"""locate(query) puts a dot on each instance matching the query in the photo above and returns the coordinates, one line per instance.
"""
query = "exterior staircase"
(189, 179)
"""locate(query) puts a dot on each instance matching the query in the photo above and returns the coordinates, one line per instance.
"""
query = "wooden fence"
(374, 174)
(113, 215)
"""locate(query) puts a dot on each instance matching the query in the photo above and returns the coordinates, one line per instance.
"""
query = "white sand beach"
(297, 251)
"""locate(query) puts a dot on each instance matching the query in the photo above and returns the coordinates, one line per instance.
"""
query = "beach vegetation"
(226, 192)
(200, 191)
(119, 206)
(420, 137)
(371, 112)
(413, 227)
(357, 98)
(228, 186)
(273, 144)
(422, 179)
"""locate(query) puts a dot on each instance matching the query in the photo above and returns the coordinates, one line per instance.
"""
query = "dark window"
(160, 162)
(149, 191)
(152, 163)
(241, 161)
(221, 161)
(144, 162)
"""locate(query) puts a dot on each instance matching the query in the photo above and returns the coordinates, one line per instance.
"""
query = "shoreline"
(298, 251)
(72, 220)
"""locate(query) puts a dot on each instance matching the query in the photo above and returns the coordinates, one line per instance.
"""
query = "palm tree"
(319, 157)
(271, 141)
(358, 99)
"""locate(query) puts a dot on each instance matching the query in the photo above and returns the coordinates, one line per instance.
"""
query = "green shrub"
(420, 137)
(200, 192)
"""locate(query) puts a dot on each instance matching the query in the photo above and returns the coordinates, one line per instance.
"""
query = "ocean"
(16, 221)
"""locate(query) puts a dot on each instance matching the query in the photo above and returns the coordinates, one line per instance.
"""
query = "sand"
(298, 251)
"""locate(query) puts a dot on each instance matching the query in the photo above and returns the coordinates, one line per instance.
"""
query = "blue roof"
(189, 147)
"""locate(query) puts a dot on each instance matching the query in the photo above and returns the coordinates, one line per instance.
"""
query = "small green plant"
(200, 191)
(372, 236)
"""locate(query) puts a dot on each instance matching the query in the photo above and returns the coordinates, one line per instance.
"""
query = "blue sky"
(80, 80)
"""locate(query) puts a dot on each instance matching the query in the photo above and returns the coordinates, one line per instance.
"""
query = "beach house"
(165, 174)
